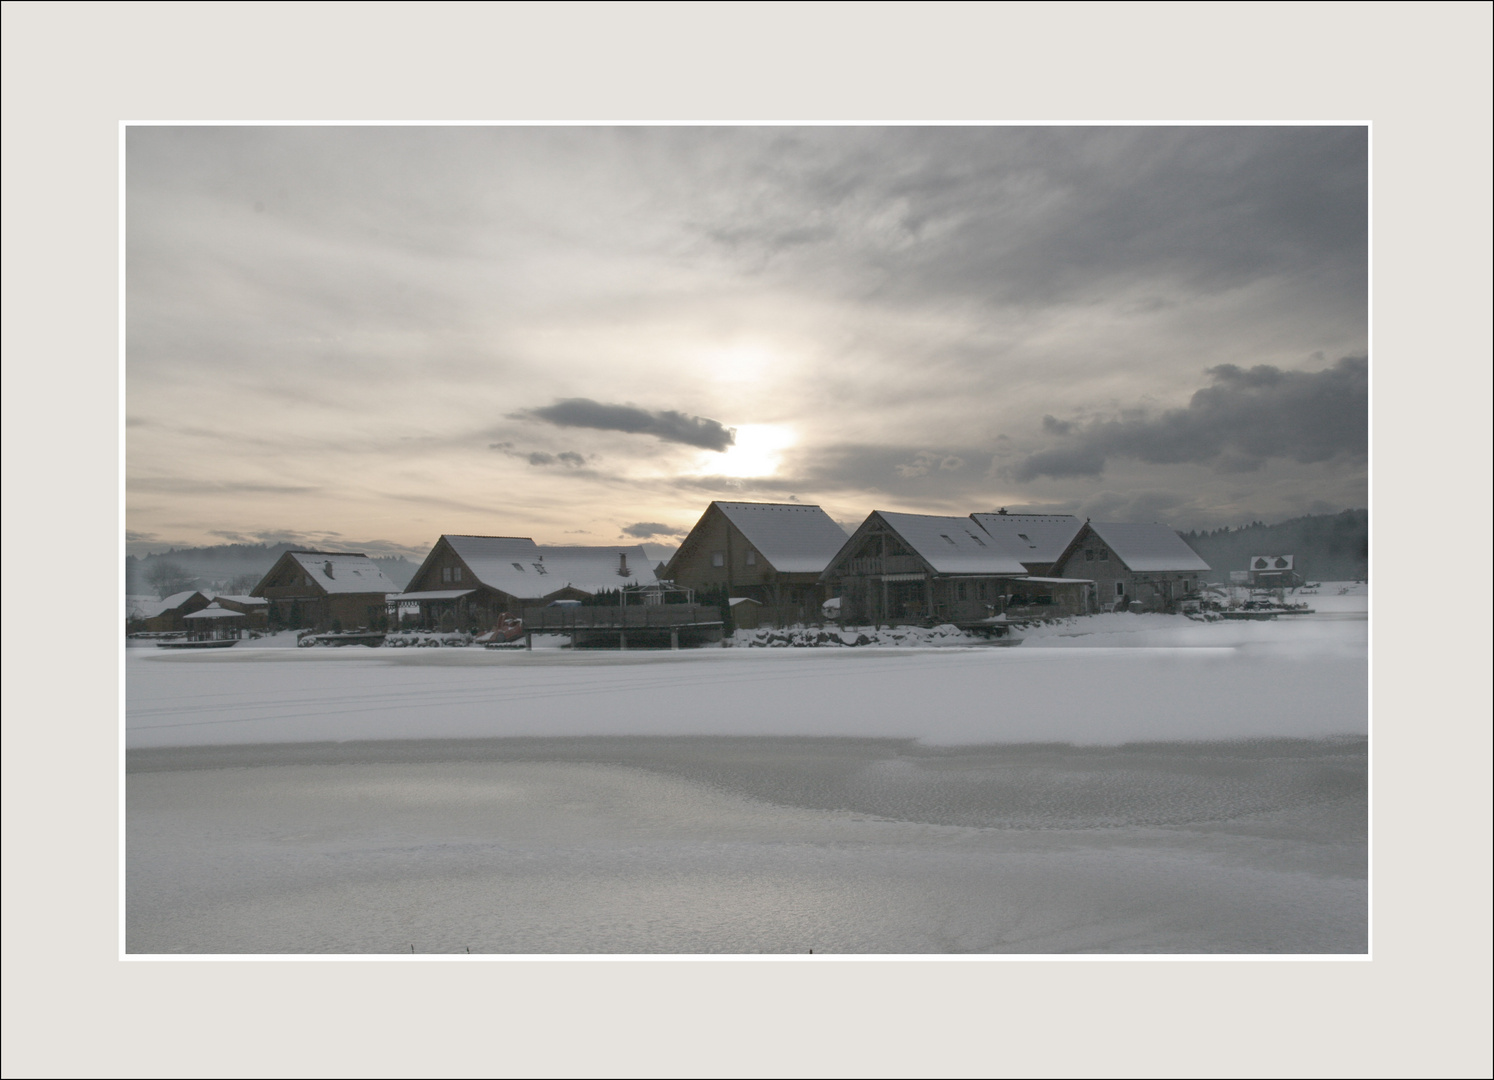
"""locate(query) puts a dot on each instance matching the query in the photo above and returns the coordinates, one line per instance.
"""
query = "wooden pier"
(649, 626)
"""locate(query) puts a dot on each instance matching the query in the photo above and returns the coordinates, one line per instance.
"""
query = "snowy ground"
(1119, 784)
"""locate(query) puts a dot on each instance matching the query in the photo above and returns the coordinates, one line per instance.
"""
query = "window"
(1104, 555)
(519, 567)
(1023, 536)
(947, 540)
(539, 568)
(959, 590)
(456, 573)
(751, 557)
(1089, 554)
(445, 573)
(1120, 588)
(718, 558)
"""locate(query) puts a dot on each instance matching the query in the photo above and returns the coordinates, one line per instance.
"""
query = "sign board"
(1239, 577)
(1270, 562)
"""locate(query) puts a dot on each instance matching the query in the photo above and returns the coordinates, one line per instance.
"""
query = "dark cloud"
(645, 529)
(1055, 426)
(1247, 417)
(667, 424)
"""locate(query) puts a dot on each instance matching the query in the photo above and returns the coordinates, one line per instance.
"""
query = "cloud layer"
(1244, 419)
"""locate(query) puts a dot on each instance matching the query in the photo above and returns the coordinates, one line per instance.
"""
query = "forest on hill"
(1327, 547)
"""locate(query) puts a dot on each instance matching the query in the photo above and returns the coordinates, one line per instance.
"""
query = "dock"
(647, 626)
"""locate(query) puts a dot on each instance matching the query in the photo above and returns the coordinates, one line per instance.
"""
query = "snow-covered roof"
(1035, 538)
(1058, 580)
(251, 600)
(343, 573)
(148, 607)
(794, 539)
(518, 566)
(213, 611)
(430, 594)
(1148, 548)
(953, 545)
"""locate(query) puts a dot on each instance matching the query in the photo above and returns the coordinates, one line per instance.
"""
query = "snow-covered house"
(470, 580)
(909, 568)
(325, 589)
(164, 615)
(1037, 539)
(773, 553)
(1149, 566)
(256, 609)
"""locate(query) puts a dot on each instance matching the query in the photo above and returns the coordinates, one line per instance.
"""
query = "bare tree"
(167, 578)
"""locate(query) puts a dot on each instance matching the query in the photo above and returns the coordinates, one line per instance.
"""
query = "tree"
(167, 578)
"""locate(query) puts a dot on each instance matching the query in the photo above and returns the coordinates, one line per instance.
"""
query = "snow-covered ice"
(1118, 784)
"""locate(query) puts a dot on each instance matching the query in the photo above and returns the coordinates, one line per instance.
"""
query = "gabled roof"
(794, 539)
(953, 545)
(1148, 548)
(340, 572)
(1034, 538)
(213, 611)
(521, 568)
(148, 607)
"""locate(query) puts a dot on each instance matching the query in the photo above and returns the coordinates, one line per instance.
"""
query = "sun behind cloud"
(756, 451)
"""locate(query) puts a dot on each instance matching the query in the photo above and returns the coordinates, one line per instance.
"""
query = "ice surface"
(1117, 784)
(747, 845)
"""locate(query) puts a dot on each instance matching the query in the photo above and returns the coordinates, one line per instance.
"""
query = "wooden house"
(1037, 539)
(772, 553)
(323, 590)
(1133, 567)
(915, 568)
(256, 609)
(165, 615)
(467, 582)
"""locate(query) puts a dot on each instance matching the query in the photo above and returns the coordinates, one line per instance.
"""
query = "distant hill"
(1328, 547)
(227, 568)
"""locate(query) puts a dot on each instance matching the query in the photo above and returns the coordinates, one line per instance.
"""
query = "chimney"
(327, 569)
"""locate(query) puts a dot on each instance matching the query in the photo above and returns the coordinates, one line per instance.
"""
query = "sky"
(364, 337)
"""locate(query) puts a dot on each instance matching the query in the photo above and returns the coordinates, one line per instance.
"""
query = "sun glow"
(755, 453)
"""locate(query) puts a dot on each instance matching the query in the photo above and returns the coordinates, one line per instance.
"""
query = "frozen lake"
(1146, 787)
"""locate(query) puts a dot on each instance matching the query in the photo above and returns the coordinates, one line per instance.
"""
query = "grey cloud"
(645, 529)
(569, 458)
(1055, 426)
(1033, 215)
(1245, 418)
(667, 424)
